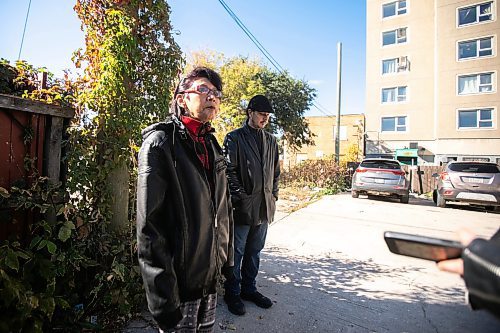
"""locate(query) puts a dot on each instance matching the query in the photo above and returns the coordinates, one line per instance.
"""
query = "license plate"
(477, 196)
(379, 181)
(474, 180)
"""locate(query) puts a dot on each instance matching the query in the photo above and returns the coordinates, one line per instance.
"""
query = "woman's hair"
(187, 81)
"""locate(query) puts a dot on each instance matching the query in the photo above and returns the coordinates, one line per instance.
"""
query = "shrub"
(323, 173)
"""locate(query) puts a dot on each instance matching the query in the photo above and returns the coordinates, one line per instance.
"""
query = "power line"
(24, 31)
(266, 53)
(252, 37)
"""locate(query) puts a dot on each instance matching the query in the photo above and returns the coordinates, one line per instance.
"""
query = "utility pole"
(339, 84)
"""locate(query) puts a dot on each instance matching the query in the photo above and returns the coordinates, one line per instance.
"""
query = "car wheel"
(434, 196)
(440, 202)
(354, 194)
(404, 198)
(492, 208)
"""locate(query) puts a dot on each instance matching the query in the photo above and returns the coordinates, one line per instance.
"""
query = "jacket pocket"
(242, 211)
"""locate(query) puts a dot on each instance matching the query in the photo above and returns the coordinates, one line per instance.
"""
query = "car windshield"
(380, 165)
(474, 168)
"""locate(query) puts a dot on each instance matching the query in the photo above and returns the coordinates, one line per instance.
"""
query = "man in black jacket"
(253, 172)
(184, 220)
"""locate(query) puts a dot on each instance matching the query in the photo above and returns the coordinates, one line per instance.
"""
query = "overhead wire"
(252, 37)
(264, 51)
(24, 31)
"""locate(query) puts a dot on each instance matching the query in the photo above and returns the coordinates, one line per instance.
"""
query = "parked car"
(471, 182)
(380, 176)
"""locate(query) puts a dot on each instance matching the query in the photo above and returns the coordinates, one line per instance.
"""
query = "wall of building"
(324, 141)
(432, 101)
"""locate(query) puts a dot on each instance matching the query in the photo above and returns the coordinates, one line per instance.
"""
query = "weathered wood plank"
(53, 156)
(23, 104)
(53, 150)
(5, 142)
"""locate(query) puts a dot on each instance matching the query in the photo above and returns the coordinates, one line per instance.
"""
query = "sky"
(301, 35)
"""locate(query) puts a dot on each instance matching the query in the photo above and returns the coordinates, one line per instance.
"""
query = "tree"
(131, 63)
(244, 78)
(351, 155)
(291, 98)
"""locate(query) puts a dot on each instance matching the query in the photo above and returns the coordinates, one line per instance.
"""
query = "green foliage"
(35, 273)
(290, 98)
(24, 80)
(353, 154)
(78, 266)
(62, 264)
(244, 78)
(322, 173)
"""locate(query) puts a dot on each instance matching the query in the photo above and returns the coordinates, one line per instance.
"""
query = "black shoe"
(234, 304)
(259, 299)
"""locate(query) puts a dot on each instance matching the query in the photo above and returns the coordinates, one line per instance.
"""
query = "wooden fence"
(34, 129)
(421, 180)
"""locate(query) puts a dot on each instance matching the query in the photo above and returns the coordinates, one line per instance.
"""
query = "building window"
(394, 95)
(475, 159)
(475, 48)
(475, 84)
(397, 36)
(395, 65)
(475, 14)
(477, 118)
(394, 8)
(394, 124)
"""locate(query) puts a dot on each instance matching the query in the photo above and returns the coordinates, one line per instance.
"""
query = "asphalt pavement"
(327, 269)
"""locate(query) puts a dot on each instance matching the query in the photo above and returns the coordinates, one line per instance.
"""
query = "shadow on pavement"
(335, 294)
(332, 293)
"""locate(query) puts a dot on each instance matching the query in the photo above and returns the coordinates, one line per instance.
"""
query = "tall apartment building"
(432, 80)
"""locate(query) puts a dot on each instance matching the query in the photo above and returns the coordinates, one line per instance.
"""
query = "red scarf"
(197, 130)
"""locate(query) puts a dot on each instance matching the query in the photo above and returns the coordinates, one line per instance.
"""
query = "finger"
(453, 266)
(466, 236)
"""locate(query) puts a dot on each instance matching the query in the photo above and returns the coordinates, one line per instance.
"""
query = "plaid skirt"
(198, 316)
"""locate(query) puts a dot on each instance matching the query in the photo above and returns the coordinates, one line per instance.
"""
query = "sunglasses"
(203, 89)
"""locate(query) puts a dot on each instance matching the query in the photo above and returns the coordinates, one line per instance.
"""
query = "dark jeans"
(248, 242)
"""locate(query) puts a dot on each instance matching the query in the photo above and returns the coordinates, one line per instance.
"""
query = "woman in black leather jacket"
(184, 213)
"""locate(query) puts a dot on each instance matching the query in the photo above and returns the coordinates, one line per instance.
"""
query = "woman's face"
(200, 100)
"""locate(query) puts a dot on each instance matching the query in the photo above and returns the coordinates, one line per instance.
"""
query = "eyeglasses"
(203, 89)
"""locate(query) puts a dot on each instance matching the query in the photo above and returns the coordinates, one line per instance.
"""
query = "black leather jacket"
(252, 175)
(482, 273)
(184, 235)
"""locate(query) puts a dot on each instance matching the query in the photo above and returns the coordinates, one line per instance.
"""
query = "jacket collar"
(251, 140)
(196, 127)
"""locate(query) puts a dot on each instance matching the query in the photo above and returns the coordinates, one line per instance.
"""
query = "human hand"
(466, 236)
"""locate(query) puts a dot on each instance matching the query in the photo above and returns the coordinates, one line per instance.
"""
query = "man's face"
(258, 119)
(200, 100)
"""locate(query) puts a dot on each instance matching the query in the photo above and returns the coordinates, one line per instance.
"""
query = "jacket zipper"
(483, 263)
(214, 212)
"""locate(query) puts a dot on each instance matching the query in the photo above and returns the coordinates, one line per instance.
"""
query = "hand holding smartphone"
(422, 247)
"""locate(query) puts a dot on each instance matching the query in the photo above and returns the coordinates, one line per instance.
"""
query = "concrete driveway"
(327, 269)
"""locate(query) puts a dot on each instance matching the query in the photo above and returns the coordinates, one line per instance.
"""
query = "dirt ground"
(292, 199)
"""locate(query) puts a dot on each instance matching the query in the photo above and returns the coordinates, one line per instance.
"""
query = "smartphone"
(422, 247)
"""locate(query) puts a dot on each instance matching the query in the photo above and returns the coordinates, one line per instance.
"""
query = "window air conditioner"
(403, 63)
